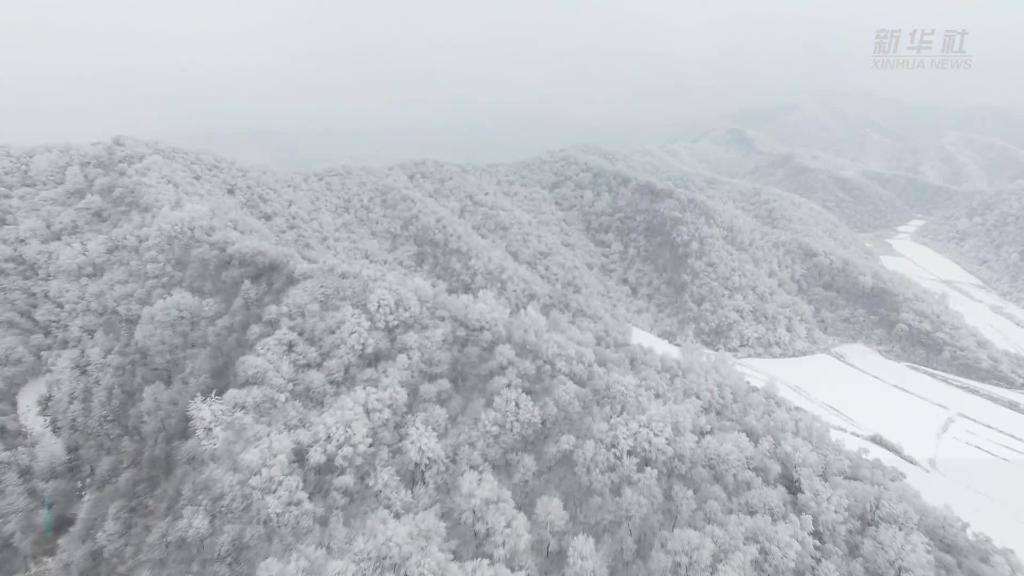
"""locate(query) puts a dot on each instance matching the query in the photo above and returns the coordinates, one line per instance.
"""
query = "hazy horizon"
(321, 84)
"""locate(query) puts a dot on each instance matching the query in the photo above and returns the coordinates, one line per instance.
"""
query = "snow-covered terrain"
(958, 448)
(653, 343)
(49, 448)
(998, 320)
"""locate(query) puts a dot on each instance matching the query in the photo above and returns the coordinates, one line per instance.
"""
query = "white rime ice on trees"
(551, 520)
(583, 558)
(422, 370)
(487, 508)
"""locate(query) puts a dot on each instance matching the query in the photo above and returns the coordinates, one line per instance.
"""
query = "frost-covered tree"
(583, 559)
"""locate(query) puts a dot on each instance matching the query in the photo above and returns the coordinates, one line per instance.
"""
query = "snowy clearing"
(959, 449)
(998, 320)
(652, 342)
(910, 227)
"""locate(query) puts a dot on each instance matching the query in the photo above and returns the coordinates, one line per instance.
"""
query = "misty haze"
(493, 289)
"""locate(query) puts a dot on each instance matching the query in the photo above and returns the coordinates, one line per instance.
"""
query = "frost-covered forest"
(426, 369)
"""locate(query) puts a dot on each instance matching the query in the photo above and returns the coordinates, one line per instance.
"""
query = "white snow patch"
(932, 262)
(982, 388)
(653, 343)
(49, 448)
(911, 227)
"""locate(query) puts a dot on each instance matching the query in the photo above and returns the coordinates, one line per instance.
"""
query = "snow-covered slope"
(997, 319)
(49, 448)
(958, 448)
(955, 445)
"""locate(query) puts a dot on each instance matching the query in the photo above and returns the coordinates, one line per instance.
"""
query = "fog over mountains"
(432, 368)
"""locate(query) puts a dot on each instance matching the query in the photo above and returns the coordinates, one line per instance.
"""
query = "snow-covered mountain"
(863, 197)
(422, 369)
(972, 148)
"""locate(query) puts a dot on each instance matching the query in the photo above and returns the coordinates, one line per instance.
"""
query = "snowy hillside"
(956, 447)
(958, 441)
(985, 233)
(421, 369)
(1000, 321)
(401, 289)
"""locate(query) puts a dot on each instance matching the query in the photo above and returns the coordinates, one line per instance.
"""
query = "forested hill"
(425, 369)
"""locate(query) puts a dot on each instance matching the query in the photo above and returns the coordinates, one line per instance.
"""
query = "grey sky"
(304, 83)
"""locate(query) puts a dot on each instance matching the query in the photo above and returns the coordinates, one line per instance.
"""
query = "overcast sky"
(305, 83)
